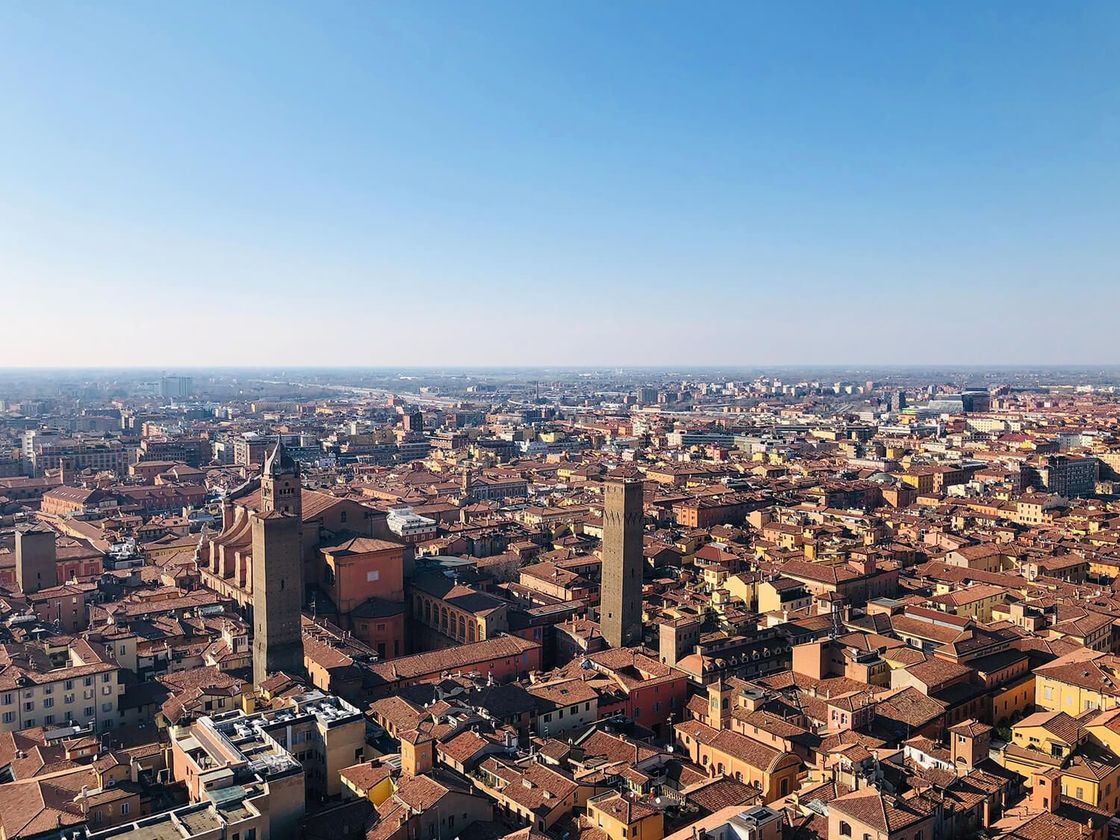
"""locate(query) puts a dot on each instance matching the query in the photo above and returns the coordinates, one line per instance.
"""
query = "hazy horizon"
(176, 370)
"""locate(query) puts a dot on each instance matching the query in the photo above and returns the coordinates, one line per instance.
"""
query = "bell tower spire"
(281, 485)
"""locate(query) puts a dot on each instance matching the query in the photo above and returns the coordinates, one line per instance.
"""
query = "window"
(9, 717)
(845, 829)
(124, 810)
(88, 711)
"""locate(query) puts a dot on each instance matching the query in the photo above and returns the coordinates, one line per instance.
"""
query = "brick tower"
(620, 608)
(278, 569)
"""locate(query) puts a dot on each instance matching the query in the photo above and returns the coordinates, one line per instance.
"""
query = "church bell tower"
(278, 569)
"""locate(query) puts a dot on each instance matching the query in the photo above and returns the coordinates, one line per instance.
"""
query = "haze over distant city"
(559, 184)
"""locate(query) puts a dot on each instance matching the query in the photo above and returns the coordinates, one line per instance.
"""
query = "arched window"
(845, 829)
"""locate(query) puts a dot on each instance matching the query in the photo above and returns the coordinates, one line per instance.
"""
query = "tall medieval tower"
(620, 608)
(278, 569)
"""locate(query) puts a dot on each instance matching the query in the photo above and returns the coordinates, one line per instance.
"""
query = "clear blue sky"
(559, 182)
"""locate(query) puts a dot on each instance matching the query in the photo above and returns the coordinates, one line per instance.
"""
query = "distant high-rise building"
(278, 569)
(898, 401)
(176, 387)
(976, 401)
(620, 609)
(413, 421)
(1066, 475)
(34, 439)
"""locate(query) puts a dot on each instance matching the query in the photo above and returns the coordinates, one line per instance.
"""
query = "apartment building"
(84, 691)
